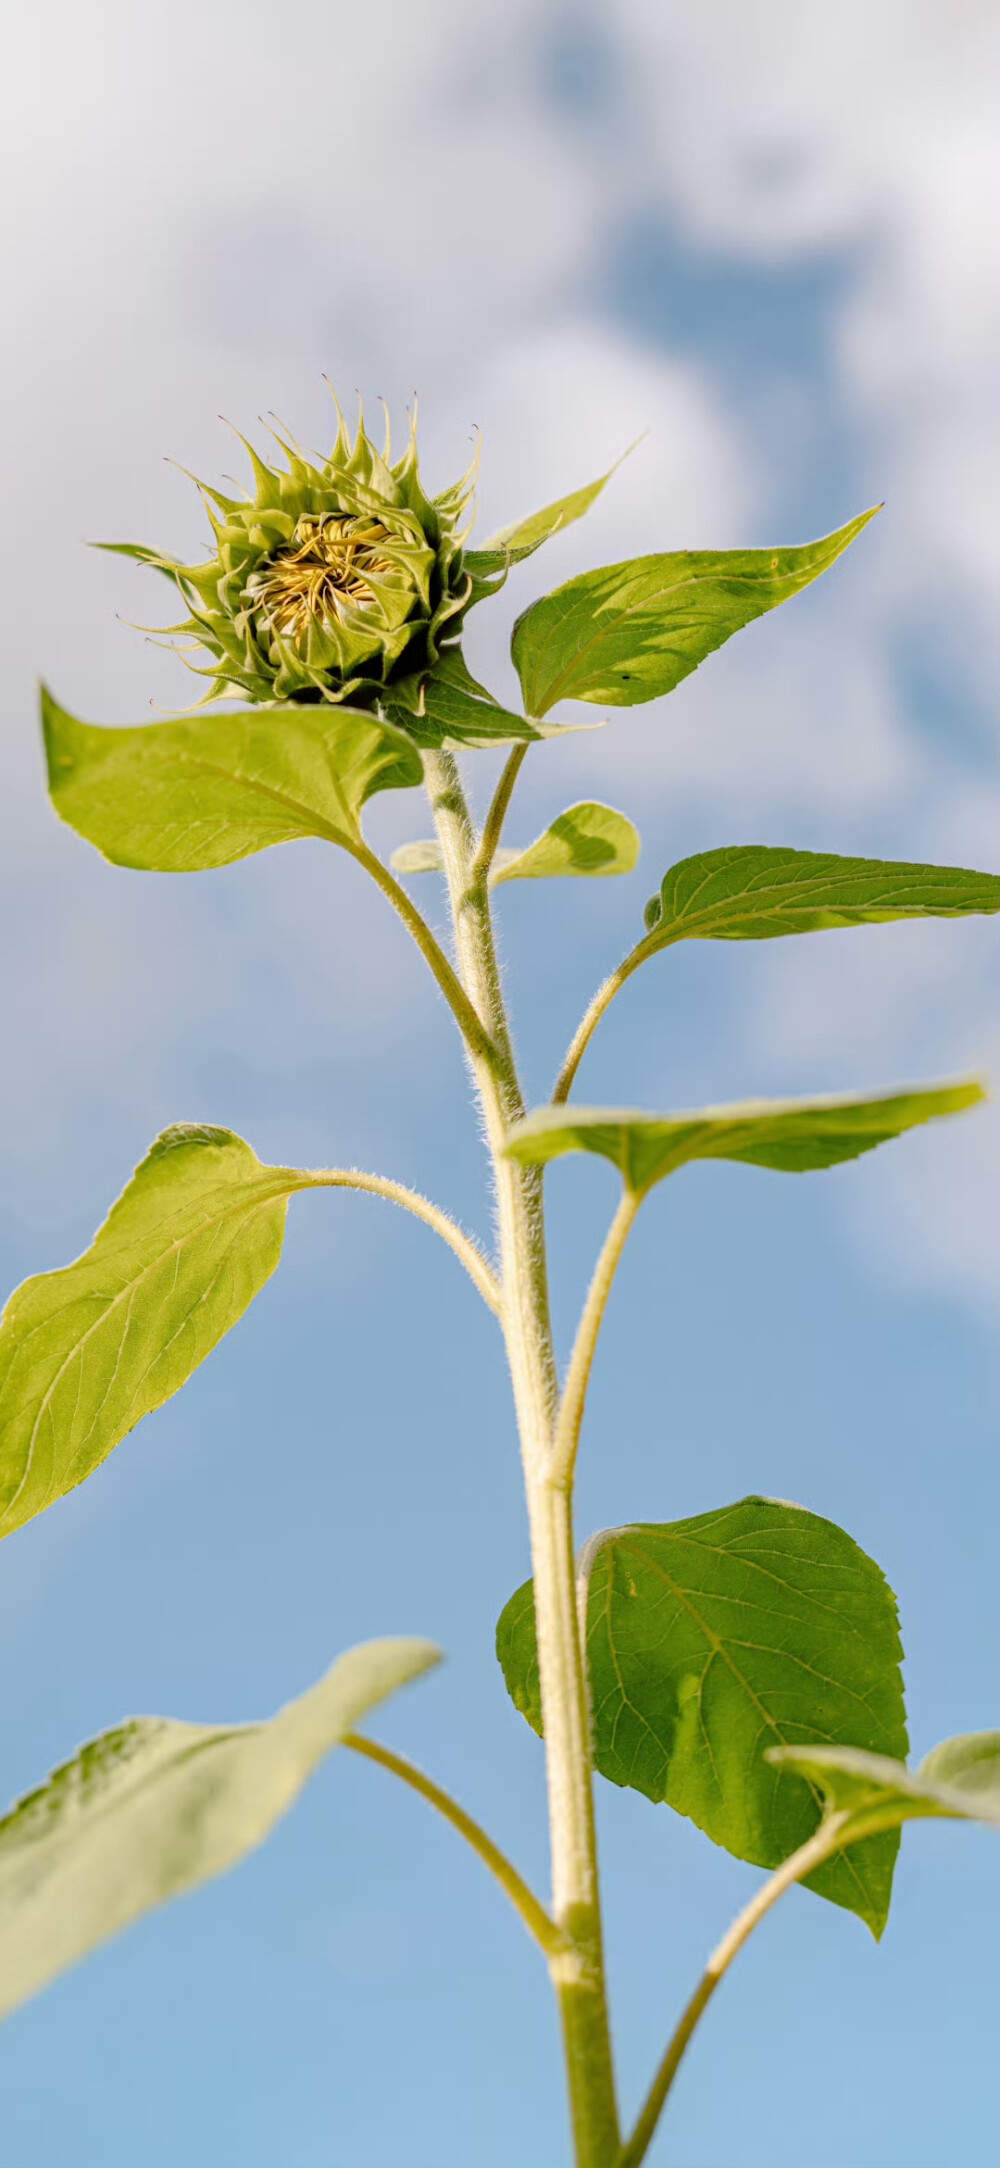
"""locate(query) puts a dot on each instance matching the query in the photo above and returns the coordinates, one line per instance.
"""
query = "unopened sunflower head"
(335, 581)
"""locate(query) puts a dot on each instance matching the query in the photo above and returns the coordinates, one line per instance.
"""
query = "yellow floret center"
(325, 573)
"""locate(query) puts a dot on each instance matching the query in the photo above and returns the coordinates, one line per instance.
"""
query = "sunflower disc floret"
(336, 581)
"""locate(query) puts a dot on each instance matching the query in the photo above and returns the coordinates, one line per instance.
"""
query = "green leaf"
(423, 857)
(960, 1780)
(630, 632)
(453, 709)
(155, 1807)
(586, 839)
(747, 892)
(511, 545)
(177, 797)
(709, 1638)
(792, 1135)
(87, 1351)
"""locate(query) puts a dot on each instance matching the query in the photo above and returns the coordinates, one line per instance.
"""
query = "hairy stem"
(477, 1038)
(578, 1972)
(809, 1855)
(380, 1185)
(537, 1921)
(589, 1021)
(567, 1436)
(493, 824)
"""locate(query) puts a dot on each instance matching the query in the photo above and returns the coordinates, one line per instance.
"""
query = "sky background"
(767, 237)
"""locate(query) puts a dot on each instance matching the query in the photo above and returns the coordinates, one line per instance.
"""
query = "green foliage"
(793, 1135)
(746, 892)
(155, 1807)
(454, 709)
(587, 839)
(180, 796)
(511, 545)
(86, 1352)
(958, 1780)
(707, 1639)
(634, 630)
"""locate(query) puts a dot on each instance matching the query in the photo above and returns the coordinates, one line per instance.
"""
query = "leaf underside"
(712, 1638)
(87, 1351)
(588, 839)
(156, 1807)
(957, 1781)
(180, 797)
(794, 1136)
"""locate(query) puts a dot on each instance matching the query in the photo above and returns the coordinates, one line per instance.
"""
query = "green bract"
(332, 582)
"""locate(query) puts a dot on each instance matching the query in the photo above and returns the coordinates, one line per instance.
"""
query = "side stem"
(809, 1855)
(574, 1397)
(577, 1973)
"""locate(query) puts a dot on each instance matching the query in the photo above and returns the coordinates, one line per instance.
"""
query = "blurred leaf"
(155, 1807)
(706, 1639)
(746, 892)
(180, 796)
(632, 631)
(960, 1779)
(426, 857)
(451, 708)
(792, 1135)
(586, 839)
(87, 1351)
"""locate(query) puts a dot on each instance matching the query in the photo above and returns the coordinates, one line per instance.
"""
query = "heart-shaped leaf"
(792, 1135)
(632, 631)
(178, 797)
(87, 1351)
(747, 892)
(709, 1639)
(156, 1807)
(586, 839)
(959, 1780)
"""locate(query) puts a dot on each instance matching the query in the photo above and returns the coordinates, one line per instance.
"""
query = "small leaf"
(959, 1779)
(792, 1135)
(452, 708)
(87, 1351)
(181, 796)
(424, 857)
(749, 893)
(586, 839)
(711, 1637)
(156, 1807)
(511, 545)
(632, 631)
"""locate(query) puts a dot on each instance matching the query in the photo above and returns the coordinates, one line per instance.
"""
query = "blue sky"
(768, 242)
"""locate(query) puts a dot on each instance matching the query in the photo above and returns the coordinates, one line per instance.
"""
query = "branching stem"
(589, 1021)
(809, 1855)
(380, 1185)
(493, 824)
(538, 1922)
(574, 1397)
(476, 1037)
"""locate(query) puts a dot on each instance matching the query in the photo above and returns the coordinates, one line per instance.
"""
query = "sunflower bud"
(333, 582)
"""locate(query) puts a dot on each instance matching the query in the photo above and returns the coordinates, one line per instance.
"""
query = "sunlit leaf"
(451, 708)
(87, 1351)
(586, 839)
(177, 797)
(792, 1135)
(156, 1807)
(511, 545)
(632, 631)
(708, 1640)
(747, 892)
(424, 857)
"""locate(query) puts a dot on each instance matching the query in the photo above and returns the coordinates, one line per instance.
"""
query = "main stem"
(578, 1972)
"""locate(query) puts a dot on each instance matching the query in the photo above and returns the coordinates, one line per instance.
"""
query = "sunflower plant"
(327, 622)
